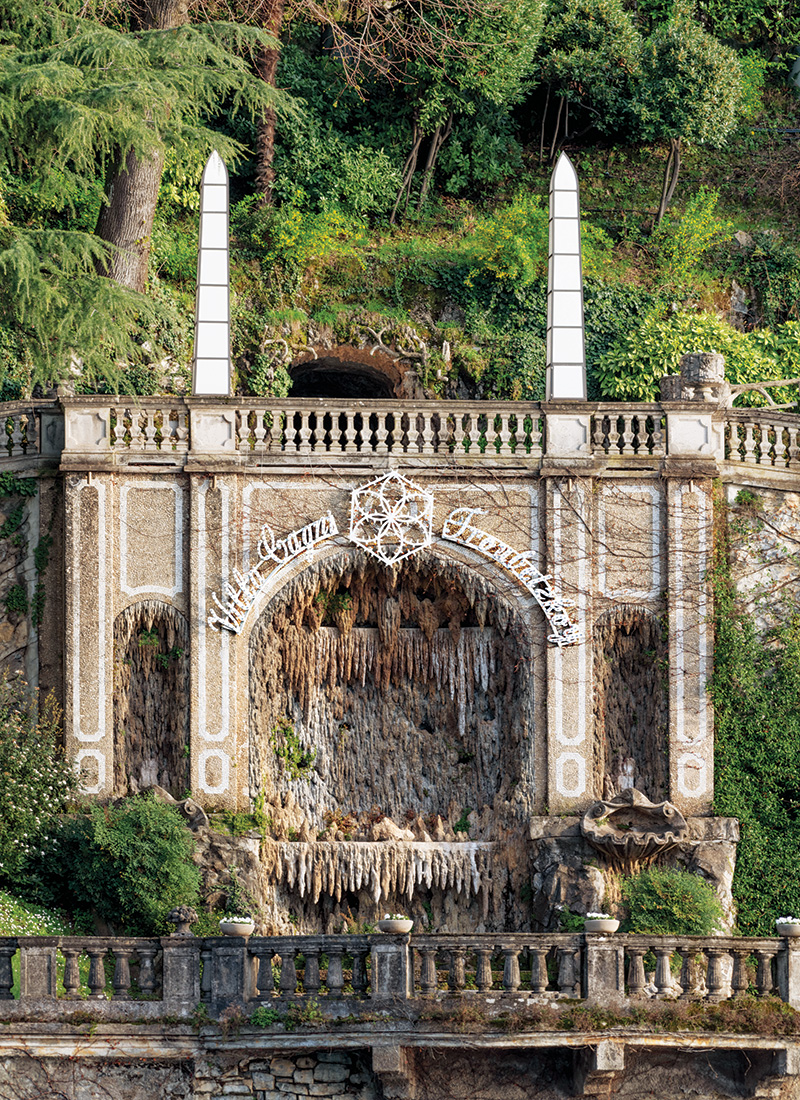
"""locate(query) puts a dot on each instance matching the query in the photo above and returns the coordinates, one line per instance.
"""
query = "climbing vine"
(755, 689)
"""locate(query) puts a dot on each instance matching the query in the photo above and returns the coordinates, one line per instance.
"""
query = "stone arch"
(405, 690)
(631, 701)
(350, 373)
(151, 699)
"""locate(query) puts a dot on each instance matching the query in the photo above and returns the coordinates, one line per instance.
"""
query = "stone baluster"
(122, 972)
(749, 443)
(428, 981)
(714, 982)
(304, 434)
(656, 446)
(764, 979)
(469, 440)
(265, 979)
(628, 435)
(792, 449)
(260, 430)
(242, 430)
(97, 971)
(206, 956)
(16, 435)
(483, 971)
(381, 434)
(539, 977)
(689, 971)
(360, 970)
(147, 969)
(116, 431)
(7, 952)
(504, 435)
(72, 973)
(288, 980)
(566, 971)
(739, 982)
(335, 971)
(663, 975)
(311, 978)
(456, 978)
(425, 422)
(536, 436)
(599, 434)
(182, 428)
(637, 981)
(511, 976)
(31, 433)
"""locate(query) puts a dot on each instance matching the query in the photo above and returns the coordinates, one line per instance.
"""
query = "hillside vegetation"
(399, 187)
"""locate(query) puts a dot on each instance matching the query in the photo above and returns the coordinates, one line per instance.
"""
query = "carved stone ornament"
(391, 518)
(630, 830)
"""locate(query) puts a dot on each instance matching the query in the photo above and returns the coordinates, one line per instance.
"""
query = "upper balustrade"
(122, 978)
(92, 432)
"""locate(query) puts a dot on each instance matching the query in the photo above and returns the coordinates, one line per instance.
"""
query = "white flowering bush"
(21, 918)
(36, 781)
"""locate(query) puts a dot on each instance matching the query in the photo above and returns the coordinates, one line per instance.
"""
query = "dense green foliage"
(756, 694)
(36, 781)
(666, 902)
(127, 864)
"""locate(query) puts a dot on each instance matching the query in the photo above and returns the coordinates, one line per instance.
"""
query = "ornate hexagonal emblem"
(391, 518)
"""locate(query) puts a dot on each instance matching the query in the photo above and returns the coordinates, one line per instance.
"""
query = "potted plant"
(788, 926)
(600, 922)
(237, 919)
(395, 922)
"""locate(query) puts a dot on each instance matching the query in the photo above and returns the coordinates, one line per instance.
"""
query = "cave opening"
(632, 703)
(402, 692)
(151, 699)
(337, 378)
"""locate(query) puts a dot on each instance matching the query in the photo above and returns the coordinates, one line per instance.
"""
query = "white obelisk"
(566, 353)
(211, 367)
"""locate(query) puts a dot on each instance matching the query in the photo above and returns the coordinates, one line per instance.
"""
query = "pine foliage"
(81, 95)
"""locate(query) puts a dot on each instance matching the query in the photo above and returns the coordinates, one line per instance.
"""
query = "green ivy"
(755, 689)
(665, 901)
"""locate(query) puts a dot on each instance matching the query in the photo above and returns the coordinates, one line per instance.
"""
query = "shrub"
(631, 370)
(683, 240)
(668, 902)
(35, 779)
(128, 863)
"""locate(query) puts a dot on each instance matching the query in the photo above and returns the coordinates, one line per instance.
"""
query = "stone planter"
(601, 925)
(237, 927)
(395, 925)
(788, 929)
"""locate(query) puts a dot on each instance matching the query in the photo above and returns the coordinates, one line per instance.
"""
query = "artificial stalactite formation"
(151, 699)
(410, 686)
(631, 702)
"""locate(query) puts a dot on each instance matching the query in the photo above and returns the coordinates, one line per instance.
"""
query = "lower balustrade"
(148, 978)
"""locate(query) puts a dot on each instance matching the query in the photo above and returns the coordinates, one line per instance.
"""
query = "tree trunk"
(555, 132)
(671, 172)
(409, 168)
(437, 141)
(126, 217)
(544, 120)
(267, 68)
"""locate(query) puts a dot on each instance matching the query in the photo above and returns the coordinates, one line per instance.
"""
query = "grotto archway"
(631, 702)
(405, 691)
(348, 373)
(151, 699)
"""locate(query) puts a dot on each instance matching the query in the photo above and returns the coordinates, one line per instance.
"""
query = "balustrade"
(761, 438)
(124, 974)
(628, 430)
(311, 427)
(149, 428)
(306, 966)
(509, 963)
(695, 968)
(20, 428)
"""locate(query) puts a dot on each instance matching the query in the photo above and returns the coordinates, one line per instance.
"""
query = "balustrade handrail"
(175, 973)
